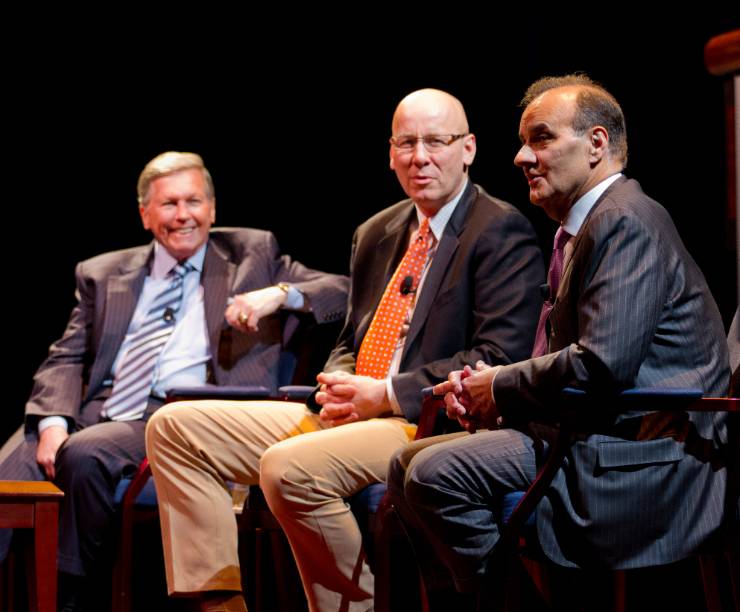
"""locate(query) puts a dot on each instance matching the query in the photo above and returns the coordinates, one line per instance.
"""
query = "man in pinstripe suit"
(632, 309)
(227, 330)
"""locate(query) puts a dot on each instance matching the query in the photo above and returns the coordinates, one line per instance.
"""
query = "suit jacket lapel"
(389, 251)
(579, 236)
(446, 248)
(122, 294)
(217, 279)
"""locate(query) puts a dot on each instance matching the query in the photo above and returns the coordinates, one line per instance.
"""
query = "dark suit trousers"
(89, 466)
(450, 494)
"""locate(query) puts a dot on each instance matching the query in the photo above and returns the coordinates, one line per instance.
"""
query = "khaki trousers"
(194, 447)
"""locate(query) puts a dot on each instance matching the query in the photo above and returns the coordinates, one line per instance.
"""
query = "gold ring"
(242, 317)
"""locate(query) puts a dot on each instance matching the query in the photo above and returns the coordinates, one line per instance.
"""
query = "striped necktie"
(133, 382)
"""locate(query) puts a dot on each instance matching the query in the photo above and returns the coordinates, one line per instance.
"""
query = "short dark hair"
(594, 106)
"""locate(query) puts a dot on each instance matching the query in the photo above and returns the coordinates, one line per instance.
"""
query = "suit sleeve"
(342, 358)
(59, 381)
(619, 289)
(326, 293)
(506, 270)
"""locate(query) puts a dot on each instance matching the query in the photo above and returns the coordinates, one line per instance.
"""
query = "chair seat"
(510, 502)
(369, 498)
(365, 501)
(147, 496)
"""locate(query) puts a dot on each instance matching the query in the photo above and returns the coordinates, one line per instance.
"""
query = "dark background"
(294, 131)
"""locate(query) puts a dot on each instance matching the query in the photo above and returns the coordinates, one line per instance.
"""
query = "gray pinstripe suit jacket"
(108, 286)
(633, 309)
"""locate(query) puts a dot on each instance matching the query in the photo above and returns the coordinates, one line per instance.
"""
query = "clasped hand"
(346, 398)
(469, 397)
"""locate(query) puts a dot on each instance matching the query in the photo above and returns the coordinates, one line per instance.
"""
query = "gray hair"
(169, 163)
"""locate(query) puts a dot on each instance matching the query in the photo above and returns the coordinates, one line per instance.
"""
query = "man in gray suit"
(84, 424)
(632, 309)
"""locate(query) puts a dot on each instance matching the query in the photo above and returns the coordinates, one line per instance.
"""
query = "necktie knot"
(561, 239)
(423, 231)
(179, 271)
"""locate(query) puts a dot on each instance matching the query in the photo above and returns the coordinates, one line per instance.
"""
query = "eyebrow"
(537, 127)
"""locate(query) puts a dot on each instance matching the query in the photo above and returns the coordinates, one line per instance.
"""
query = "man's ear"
(598, 143)
(144, 213)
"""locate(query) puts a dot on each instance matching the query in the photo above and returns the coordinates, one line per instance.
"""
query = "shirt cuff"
(500, 419)
(53, 421)
(294, 299)
(395, 406)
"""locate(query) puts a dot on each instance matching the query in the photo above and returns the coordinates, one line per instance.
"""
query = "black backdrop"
(295, 131)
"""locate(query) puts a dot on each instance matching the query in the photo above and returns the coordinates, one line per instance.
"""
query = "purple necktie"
(553, 281)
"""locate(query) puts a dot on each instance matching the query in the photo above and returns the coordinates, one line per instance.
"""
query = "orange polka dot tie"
(376, 350)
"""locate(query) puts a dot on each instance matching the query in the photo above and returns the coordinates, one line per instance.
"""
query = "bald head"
(432, 102)
(431, 148)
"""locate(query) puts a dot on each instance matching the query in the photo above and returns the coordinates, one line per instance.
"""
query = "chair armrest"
(659, 399)
(432, 413)
(234, 392)
(295, 393)
(716, 404)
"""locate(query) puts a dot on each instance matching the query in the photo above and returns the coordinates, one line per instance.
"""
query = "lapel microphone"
(168, 315)
(406, 285)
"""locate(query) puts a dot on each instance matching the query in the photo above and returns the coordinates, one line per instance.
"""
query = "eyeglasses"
(432, 143)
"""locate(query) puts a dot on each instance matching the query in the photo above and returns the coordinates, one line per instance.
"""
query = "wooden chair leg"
(121, 601)
(384, 519)
(289, 587)
(7, 582)
(259, 561)
(44, 564)
(733, 564)
(708, 568)
(540, 577)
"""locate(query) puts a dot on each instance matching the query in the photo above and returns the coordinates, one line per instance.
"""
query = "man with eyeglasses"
(447, 277)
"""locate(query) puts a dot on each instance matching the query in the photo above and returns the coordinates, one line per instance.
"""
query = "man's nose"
(525, 157)
(182, 211)
(420, 154)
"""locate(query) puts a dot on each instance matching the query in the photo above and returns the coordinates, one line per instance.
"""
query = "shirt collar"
(164, 262)
(579, 211)
(438, 222)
